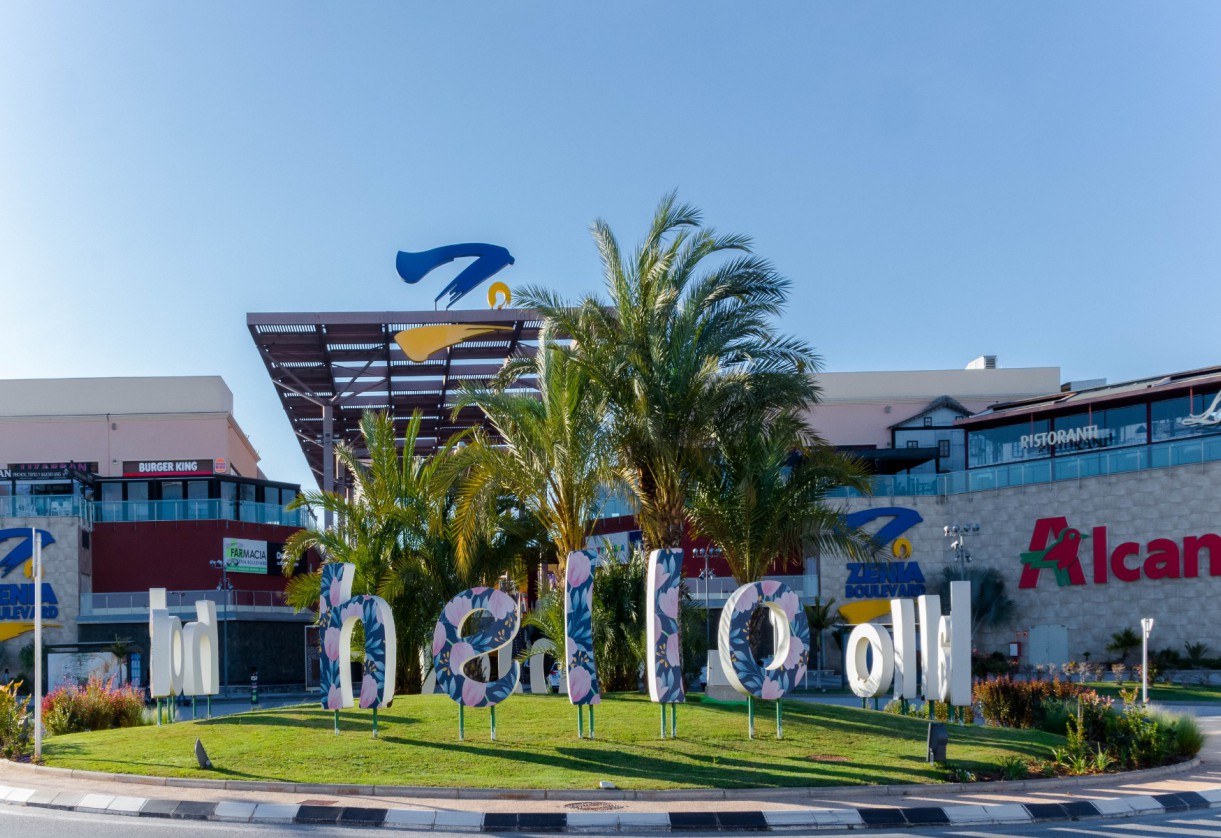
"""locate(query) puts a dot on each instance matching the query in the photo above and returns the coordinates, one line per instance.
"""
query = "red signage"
(1056, 546)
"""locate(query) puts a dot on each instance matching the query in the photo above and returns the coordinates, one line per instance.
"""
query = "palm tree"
(763, 497)
(991, 605)
(551, 457)
(397, 529)
(681, 344)
(821, 617)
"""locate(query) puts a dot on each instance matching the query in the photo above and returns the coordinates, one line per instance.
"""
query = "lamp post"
(962, 556)
(37, 645)
(223, 566)
(1146, 625)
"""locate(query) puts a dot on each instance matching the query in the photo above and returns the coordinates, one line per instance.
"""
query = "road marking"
(1164, 829)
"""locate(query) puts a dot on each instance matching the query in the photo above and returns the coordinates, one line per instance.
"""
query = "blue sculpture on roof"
(489, 260)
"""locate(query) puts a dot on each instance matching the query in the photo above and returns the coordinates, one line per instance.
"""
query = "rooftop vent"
(983, 362)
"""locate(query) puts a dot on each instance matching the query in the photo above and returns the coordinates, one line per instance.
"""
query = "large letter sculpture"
(339, 612)
(182, 659)
(945, 648)
(792, 644)
(450, 650)
(665, 649)
(583, 687)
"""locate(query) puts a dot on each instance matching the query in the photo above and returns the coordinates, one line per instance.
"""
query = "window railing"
(213, 509)
(718, 588)
(44, 506)
(1073, 467)
(182, 603)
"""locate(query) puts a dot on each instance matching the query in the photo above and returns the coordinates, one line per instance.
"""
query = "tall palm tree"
(763, 497)
(552, 454)
(397, 528)
(681, 343)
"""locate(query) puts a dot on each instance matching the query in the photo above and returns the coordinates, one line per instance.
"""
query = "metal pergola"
(330, 367)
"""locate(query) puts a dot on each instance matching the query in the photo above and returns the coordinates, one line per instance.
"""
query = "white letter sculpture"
(183, 659)
(338, 612)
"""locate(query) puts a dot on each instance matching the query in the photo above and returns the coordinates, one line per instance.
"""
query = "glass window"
(197, 489)
(137, 490)
(171, 490)
(112, 492)
(228, 489)
(1172, 418)
(1099, 429)
(1012, 443)
(246, 492)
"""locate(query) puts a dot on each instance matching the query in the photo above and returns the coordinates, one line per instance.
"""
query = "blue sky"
(1040, 182)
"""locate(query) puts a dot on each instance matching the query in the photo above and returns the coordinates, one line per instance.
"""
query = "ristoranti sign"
(1058, 548)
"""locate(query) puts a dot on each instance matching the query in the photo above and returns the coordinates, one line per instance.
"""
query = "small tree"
(1122, 643)
(990, 603)
(821, 617)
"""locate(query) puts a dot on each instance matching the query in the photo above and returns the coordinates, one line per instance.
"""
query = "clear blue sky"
(1037, 181)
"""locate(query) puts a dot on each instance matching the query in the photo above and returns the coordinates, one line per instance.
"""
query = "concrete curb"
(441, 792)
(800, 820)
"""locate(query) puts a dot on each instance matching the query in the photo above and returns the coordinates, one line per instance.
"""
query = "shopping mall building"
(1097, 504)
(136, 483)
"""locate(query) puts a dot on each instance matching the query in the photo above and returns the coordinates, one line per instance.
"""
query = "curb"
(803, 820)
(435, 792)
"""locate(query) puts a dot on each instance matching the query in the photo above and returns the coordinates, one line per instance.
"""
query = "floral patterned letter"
(792, 631)
(665, 663)
(450, 650)
(579, 629)
(338, 613)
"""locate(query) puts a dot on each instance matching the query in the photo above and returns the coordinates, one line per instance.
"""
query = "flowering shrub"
(14, 726)
(94, 706)
(1009, 703)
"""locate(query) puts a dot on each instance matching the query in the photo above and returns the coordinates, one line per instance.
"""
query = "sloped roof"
(935, 404)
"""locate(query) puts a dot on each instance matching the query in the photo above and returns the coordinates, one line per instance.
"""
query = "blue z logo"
(24, 551)
(489, 260)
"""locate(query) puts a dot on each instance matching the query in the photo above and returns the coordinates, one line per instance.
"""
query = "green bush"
(94, 706)
(14, 726)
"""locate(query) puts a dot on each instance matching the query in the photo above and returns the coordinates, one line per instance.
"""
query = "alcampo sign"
(1055, 546)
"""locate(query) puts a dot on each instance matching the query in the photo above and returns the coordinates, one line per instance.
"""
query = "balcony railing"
(200, 510)
(45, 506)
(718, 588)
(238, 605)
(1074, 467)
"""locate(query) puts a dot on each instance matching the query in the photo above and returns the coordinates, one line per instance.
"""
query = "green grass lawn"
(538, 747)
(1161, 692)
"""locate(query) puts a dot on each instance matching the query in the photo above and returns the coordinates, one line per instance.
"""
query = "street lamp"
(707, 575)
(959, 533)
(223, 566)
(1146, 625)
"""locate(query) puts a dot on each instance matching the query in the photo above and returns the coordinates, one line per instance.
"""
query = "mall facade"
(136, 483)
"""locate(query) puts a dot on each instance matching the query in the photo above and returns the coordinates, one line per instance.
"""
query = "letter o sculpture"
(876, 679)
(450, 650)
(788, 666)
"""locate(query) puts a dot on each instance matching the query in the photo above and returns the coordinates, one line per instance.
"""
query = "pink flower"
(501, 605)
(578, 568)
(474, 693)
(669, 603)
(354, 611)
(771, 690)
(368, 691)
(770, 587)
(658, 633)
(662, 576)
(456, 610)
(746, 602)
(672, 650)
(790, 603)
(578, 683)
(796, 650)
(330, 642)
(336, 592)
(460, 654)
(438, 638)
(334, 699)
(801, 673)
(479, 590)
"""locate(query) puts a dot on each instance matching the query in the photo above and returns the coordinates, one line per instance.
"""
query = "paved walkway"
(1196, 785)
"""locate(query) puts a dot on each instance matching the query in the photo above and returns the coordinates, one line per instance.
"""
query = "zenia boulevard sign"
(17, 592)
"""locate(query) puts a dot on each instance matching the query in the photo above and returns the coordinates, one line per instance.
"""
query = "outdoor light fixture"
(959, 533)
(1146, 625)
(938, 738)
